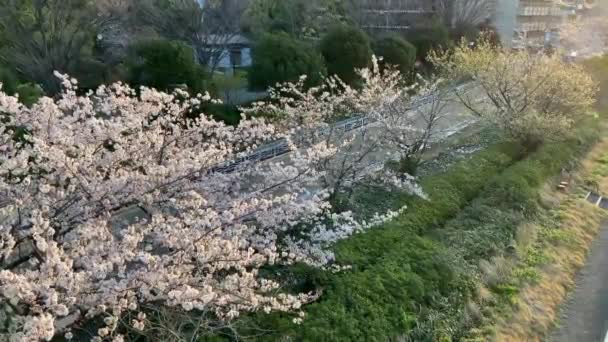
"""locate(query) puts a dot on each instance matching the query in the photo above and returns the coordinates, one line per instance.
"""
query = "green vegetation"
(164, 65)
(396, 51)
(298, 18)
(548, 247)
(9, 81)
(436, 36)
(107, 41)
(345, 49)
(400, 274)
(40, 37)
(28, 93)
(278, 58)
(416, 276)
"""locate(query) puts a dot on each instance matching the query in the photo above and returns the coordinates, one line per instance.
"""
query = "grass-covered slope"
(415, 278)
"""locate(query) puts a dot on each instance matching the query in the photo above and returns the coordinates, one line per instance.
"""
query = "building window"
(236, 57)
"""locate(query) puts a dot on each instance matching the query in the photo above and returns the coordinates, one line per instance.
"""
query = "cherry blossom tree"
(363, 144)
(117, 201)
(71, 167)
(412, 124)
(531, 97)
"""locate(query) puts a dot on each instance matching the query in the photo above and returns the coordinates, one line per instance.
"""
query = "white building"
(226, 48)
(378, 16)
(528, 23)
(233, 53)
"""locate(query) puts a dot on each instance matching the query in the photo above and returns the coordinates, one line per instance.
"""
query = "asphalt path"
(585, 315)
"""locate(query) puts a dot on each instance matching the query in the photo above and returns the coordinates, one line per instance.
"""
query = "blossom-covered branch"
(70, 166)
(77, 169)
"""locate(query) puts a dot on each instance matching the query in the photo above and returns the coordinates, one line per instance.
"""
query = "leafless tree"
(465, 13)
(117, 31)
(208, 27)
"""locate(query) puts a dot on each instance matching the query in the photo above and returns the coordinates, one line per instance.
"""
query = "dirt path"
(584, 318)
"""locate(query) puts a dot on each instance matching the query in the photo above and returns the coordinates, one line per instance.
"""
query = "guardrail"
(280, 147)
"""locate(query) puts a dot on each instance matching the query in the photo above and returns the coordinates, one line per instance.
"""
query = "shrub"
(164, 64)
(346, 49)
(9, 81)
(228, 87)
(426, 39)
(29, 93)
(279, 58)
(90, 73)
(400, 276)
(396, 51)
(227, 113)
(549, 94)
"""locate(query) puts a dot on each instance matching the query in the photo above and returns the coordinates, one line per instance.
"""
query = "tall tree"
(346, 49)
(66, 252)
(298, 18)
(117, 32)
(211, 213)
(43, 36)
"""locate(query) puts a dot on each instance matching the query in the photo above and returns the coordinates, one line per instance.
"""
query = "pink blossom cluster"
(70, 166)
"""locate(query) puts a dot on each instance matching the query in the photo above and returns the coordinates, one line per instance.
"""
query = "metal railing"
(281, 146)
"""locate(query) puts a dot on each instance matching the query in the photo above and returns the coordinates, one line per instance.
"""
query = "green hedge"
(488, 225)
(346, 49)
(398, 273)
(279, 58)
(412, 277)
(448, 193)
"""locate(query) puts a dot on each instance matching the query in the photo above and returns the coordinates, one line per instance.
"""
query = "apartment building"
(393, 15)
(531, 24)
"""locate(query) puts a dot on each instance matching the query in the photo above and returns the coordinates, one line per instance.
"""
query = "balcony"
(538, 11)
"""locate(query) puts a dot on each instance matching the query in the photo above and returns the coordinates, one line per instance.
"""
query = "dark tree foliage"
(345, 49)
(490, 32)
(298, 18)
(426, 39)
(396, 51)
(28, 93)
(163, 65)
(279, 58)
(40, 37)
(9, 81)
